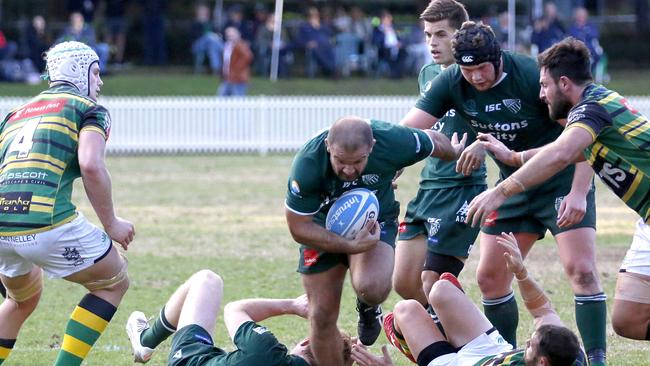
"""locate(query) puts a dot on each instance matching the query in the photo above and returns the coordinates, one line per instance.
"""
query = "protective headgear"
(468, 53)
(70, 62)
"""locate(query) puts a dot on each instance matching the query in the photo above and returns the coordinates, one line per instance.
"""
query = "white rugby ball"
(350, 212)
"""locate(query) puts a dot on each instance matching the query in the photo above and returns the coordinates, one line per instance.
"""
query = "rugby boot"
(369, 325)
(395, 338)
(135, 325)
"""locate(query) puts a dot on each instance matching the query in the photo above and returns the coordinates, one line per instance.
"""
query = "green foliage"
(226, 213)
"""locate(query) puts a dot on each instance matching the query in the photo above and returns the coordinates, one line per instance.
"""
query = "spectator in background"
(417, 49)
(315, 38)
(587, 32)
(153, 23)
(236, 20)
(116, 26)
(547, 30)
(205, 41)
(85, 7)
(361, 26)
(37, 41)
(78, 30)
(260, 15)
(264, 47)
(390, 52)
(237, 59)
(346, 50)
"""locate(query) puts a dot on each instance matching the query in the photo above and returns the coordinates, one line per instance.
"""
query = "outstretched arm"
(257, 310)
(444, 148)
(538, 305)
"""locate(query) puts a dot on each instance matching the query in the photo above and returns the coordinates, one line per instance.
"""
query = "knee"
(440, 293)
(372, 292)
(582, 275)
(404, 308)
(323, 317)
(622, 325)
(208, 280)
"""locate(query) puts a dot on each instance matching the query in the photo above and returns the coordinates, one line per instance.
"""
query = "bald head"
(350, 134)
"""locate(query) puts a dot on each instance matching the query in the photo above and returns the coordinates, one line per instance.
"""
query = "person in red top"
(237, 59)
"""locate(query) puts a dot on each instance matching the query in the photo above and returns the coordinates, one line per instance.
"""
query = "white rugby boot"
(135, 325)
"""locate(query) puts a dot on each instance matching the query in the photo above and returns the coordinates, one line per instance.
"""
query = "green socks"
(160, 330)
(591, 318)
(504, 315)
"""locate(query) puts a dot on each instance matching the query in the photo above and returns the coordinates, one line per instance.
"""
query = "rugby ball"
(350, 212)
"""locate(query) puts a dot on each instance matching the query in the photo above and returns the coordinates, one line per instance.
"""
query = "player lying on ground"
(470, 338)
(190, 315)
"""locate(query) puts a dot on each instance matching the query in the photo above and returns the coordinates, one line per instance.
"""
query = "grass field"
(226, 213)
(180, 81)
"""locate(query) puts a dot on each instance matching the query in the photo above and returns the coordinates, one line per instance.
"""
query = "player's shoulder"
(522, 66)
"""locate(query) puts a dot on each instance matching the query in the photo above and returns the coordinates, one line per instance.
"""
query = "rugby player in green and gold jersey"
(352, 153)
(434, 232)
(497, 92)
(193, 310)
(470, 338)
(45, 144)
(614, 138)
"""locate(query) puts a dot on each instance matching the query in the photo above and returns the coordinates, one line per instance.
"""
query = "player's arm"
(417, 118)
(502, 153)
(444, 148)
(536, 301)
(574, 205)
(305, 231)
(551, 159)
(238, 312)
(97, 183)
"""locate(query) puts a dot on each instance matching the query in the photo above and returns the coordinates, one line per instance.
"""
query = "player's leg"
(413, 322)
(23, 294)
(631, 313)
(494, 281)
(406, 278)
(577, 252)
(324, 293)
(370, 274)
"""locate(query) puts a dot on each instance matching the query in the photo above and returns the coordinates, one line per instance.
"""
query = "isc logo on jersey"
(351, 211)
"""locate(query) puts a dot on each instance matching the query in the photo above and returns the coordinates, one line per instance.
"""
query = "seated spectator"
(236, 20)
(116, 26)
(205, 41)
(417, 49)
(264, 48)
(315, 38)
(79, 31)
(390, 52)
(37, 41)
(13, 69)
(237, 59)
(361, 27)
(587, 32)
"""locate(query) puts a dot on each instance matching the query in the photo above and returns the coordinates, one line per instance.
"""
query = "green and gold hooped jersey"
(38, 158)
(510, 358)
(313, 186)
(620, 151)
(438, 173)
(510, 110)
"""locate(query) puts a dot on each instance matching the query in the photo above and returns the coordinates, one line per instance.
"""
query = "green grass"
(156, 82)
(226, 213)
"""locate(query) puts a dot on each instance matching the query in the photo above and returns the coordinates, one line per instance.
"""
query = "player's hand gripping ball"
(351, 212)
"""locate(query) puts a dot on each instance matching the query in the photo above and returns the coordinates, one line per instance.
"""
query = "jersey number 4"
(24, 140)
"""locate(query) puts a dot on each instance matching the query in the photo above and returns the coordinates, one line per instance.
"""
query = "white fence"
(252, 124)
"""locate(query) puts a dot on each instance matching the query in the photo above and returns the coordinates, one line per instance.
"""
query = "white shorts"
(62, 251)
(474, 351)
(637, 258)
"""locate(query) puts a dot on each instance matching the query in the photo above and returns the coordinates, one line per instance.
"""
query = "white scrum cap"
(70, 62)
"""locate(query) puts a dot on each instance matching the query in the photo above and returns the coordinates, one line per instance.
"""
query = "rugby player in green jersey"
(614, 138)
(352, 153)
(470, 338)
(190, 315)
(434, 232)
(45, 144)
(497, 93)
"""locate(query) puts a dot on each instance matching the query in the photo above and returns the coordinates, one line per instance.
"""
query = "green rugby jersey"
(38, 158)
(313, 186)
(620, 151)
(510, 358)
(511, 110)
(438, 173)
